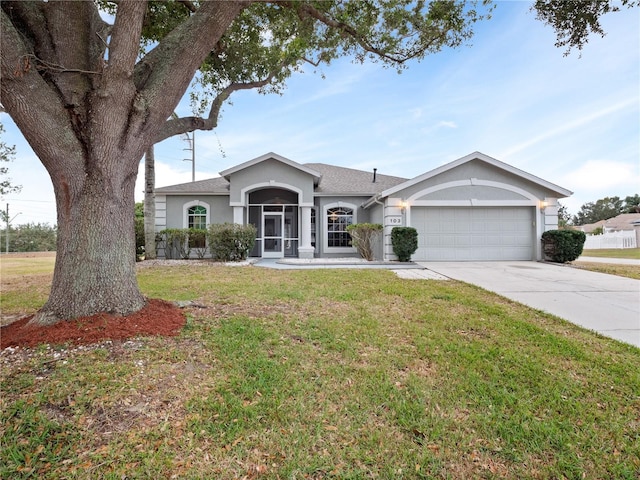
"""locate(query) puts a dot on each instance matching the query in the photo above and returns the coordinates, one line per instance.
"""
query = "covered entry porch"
(283, 227)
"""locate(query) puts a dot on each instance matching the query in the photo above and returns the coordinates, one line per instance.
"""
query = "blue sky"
(573, 121)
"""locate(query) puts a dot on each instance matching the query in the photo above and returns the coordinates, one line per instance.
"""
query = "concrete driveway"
(608, 304)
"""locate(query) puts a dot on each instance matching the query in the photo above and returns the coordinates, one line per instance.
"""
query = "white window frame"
(325, 241)
(195, 203)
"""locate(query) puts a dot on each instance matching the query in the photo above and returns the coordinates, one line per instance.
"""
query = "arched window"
(338, 218)
(197, 217)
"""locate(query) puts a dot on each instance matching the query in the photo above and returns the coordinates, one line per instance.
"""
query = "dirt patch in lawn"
(158, 317)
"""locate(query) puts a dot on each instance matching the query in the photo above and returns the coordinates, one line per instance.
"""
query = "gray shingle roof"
(624, 221)
(335, 181)
(217, 185)
(348, 181)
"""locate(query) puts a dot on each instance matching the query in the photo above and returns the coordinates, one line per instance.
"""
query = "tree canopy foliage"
(564, 218)
(575, 20)
(606, 208)
(7, 154)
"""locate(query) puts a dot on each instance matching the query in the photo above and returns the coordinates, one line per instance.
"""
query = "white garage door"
(478, 233)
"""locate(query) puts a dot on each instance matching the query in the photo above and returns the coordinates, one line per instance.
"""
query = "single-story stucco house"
(474, 208)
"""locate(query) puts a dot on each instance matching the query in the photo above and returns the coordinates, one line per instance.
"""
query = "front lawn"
(327, 373)
(633, 253)
(629, 271)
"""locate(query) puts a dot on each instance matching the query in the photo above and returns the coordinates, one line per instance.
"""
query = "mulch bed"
(158, 317)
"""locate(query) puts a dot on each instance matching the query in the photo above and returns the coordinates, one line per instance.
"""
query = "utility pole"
(6, 235)
(191, 140)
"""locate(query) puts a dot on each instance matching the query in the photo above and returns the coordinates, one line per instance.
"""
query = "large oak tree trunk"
(95, 260)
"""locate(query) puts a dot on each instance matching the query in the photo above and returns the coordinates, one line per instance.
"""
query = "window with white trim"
(197, 217)
(338, 218)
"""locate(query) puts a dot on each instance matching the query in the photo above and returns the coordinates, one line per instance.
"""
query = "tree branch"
(125, 38)
(170, 68)
(53, 67)
(178, 126)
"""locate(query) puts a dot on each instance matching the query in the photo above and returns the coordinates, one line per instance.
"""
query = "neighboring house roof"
(562, 192)
(217, 185)
(227, 173)
(590, 227)
(624, 221)
(348, 181)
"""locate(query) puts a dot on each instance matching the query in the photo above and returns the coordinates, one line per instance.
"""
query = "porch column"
(305, 250)
(238, 215)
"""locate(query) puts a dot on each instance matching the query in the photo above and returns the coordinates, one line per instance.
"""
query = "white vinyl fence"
(625, 239)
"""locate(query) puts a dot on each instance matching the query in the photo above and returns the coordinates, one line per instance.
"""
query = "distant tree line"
(30, 237)
(606, 208)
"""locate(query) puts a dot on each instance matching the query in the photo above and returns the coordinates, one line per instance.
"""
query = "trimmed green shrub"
(231, 242)
(404, 241)
(563, 245)
(365, 236)
(176, 243)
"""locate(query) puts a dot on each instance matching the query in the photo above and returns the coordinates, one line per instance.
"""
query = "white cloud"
(598, 175)
(446, 124)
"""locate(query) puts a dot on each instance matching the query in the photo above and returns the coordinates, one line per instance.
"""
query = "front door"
(272, 242)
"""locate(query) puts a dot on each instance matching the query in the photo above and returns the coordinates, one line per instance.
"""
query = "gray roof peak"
(343, 180)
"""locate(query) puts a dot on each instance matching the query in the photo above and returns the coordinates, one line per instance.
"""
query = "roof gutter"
(372, 200)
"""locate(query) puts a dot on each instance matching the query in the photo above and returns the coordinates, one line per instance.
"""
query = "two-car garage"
(475, 208)
(474, 233)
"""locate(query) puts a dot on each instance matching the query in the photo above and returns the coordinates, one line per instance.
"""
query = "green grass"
(629, 271)
(328, 374)
(633, 253)
(12, 265)
(25, 282)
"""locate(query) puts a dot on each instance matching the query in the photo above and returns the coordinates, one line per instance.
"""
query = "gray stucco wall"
(482, 171)
(271, 171)
(478, 192)
(219, 209)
